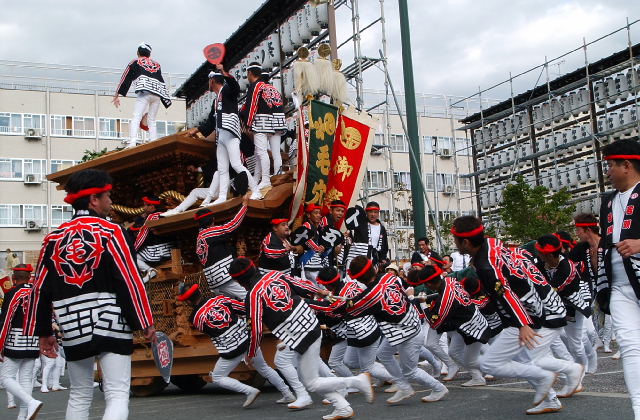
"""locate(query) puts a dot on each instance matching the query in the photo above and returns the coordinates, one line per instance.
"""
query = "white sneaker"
(392, 389)
(607, 348)
(44, 389)
(474, 382)
(616, 356)
(453, 371)
(37, 384)
(264, 185)
(489, 377)
(546, 406)
(326, 402)
(220, 200)
(169, 213)
(58, 388)
(401, 395)
(255, 196)
(574, 378)
(33, 408)
(437, 369)
(287, 398)
(340, 413)
(543, 387)
(10, 406)
(363, 383)
(251, 397)
(303, 401)
(436, 395)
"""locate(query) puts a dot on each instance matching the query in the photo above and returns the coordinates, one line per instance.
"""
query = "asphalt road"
(604, 398)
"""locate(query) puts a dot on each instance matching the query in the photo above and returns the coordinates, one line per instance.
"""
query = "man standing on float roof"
(618, 289)
(146, 77)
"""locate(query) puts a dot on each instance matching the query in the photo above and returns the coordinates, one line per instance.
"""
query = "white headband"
(255, 66)
(145, 46)
(213, 74)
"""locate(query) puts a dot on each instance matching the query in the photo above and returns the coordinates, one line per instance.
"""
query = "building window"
(379, 139)
(108, 128)
(465, 184)
(60, 214)
(402, 181)
(35, 212)
(11, 123)
(428, 144)
(10, 215)
(398, 143)
(58, 165)
(463, 146)
(377, 180)
(61, 126)
(445, 145)
(385, 216)
(35, 166)
(83, 126)
(11, 169)
(161, 126)
(404, 218)
(447, 179)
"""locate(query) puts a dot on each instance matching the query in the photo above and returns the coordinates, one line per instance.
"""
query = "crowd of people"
(534, 312)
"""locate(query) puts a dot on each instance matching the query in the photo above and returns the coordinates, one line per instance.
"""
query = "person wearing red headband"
(368, 234)
(216, 252)
(277, 301)
(532, 315)
(386, 299)
(453, 311)
(18, 351)
(618, 287)
(152, 249)
(315, 257)
(223, 319)
(563, 275)
(424, 255)
(588, 253)
(87, 275)
(337, 209)
(276, 252)
(360, 335)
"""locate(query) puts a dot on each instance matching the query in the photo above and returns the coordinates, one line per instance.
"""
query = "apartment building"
(43, 131)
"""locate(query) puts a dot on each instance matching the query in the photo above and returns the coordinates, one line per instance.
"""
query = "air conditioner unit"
(445, 153)
(377, 149)
(32, 226)
(33, 133)
(449, 189)
(32, 179)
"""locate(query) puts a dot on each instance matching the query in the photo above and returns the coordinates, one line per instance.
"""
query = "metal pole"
(455, 156)
(417, 192)
(436, 193)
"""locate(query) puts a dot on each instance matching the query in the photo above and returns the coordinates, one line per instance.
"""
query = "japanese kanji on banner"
(322, 131)
(354, 137)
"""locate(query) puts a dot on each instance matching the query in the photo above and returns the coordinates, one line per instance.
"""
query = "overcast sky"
(457, 45)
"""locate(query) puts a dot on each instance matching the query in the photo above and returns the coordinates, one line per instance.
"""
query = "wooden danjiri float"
(160, 168)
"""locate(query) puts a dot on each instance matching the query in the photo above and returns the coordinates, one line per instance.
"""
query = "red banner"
(349, 158)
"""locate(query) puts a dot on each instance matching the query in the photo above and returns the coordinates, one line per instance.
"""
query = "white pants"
(149, 103)
(48, 368)
(464, 354)
(223, 367)
(201, 194)
(228, 154)
(309, 370)
(365, 360)
(559, 349)
(263, 142)
(336, 359)
(433, 344)
(286, 362)
(22, 369)
(625, 312)
(232, 289)
(116, 381)
(575, 334)
(405, 369)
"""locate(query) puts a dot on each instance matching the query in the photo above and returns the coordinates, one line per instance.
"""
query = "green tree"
(531, 211)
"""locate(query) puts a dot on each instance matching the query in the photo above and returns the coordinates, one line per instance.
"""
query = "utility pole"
(417, 191)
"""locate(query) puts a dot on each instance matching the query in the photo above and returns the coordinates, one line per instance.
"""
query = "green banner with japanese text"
(323, 121)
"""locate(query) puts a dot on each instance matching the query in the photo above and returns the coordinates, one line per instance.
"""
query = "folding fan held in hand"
(214, 53)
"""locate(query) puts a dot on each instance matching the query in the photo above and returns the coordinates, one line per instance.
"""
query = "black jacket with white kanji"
(566, 280)
(387, 301)
(454, 310)
(359, 331)
(276, 300)
(145, 75)
(274, 255)
(87, 274)
(224, 111)
(419, 257)
(150, 247)
(13, 342)
(222, 319)
(263, 110)
(215, 250)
